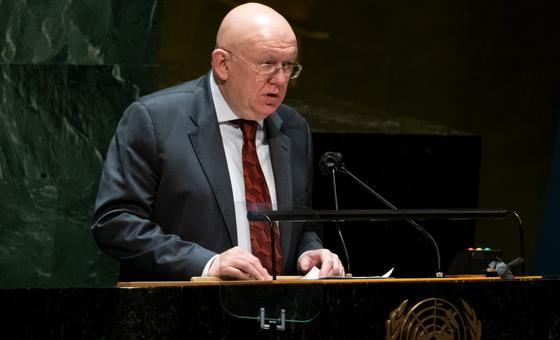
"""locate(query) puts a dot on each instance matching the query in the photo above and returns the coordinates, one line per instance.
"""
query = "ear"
(220, 64)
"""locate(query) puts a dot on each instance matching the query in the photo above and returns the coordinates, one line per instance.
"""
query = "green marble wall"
(68, 70)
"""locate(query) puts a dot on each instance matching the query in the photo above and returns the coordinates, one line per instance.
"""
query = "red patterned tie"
(257, 197)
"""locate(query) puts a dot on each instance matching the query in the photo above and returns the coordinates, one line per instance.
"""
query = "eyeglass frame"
(295, 67)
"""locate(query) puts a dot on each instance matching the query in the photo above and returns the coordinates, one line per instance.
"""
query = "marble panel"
(79, 32)
(45, 237)
(56, 122)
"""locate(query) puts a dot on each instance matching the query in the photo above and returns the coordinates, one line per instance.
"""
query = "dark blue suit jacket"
(165, 205)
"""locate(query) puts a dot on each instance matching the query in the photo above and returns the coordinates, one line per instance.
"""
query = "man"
(172, 199)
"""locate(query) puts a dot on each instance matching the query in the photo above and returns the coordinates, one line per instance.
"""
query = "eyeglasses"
(268, 69)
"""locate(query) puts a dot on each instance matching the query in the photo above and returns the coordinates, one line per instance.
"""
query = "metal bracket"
(278, 324)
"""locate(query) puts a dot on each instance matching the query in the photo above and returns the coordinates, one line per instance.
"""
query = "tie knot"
(249, 128)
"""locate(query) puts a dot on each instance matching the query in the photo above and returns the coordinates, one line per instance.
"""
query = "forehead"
(274, 47)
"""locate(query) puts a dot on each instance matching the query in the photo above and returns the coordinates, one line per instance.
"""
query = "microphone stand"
(333, 161)
(348, 272)
(423, 231)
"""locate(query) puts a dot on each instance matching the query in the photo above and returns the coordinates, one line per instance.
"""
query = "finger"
(234, 273)
(326, 265)
(254, 268)
(338, 268)
(305, 263)
(228, 264)
(248, 265)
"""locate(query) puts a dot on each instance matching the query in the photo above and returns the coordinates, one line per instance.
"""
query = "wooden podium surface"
(444, 308)
(283, 280)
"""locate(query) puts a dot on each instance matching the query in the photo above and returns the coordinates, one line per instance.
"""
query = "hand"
(236, 263)
(328, 262)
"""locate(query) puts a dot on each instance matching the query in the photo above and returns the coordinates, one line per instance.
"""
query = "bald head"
(250, 36)
(250, 23)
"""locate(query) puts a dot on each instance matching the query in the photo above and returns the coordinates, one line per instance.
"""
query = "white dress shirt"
(232, 139)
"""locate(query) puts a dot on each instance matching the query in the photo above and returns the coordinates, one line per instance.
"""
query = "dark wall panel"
(410, 171)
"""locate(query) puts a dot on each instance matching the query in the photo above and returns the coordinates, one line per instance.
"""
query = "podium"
(466, 307)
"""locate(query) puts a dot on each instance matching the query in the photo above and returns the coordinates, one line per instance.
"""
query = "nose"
(279, 77)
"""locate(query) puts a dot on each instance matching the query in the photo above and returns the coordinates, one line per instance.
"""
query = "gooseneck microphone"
(327, 165)
(331, 162)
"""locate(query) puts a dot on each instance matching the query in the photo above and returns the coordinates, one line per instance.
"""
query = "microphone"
(331, 162)
(503, 269)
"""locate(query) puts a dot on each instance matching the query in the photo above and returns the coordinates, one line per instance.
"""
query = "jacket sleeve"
(123, 225)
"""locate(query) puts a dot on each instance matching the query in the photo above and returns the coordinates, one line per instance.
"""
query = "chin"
(262, 116)
(265, 112)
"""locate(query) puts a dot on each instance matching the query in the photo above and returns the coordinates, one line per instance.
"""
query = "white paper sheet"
(313, 274)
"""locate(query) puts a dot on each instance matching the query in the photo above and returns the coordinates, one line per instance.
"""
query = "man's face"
(253, 96)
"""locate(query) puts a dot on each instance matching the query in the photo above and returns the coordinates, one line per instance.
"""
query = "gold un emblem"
(433, 319)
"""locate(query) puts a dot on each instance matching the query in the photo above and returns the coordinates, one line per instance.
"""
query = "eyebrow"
(268, 58)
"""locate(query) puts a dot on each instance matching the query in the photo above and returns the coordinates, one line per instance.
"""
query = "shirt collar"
(223, 111)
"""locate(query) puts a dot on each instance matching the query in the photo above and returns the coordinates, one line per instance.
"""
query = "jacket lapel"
(280, 155)
(207, 143)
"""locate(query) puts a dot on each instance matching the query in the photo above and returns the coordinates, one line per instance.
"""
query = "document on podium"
(313, 274)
